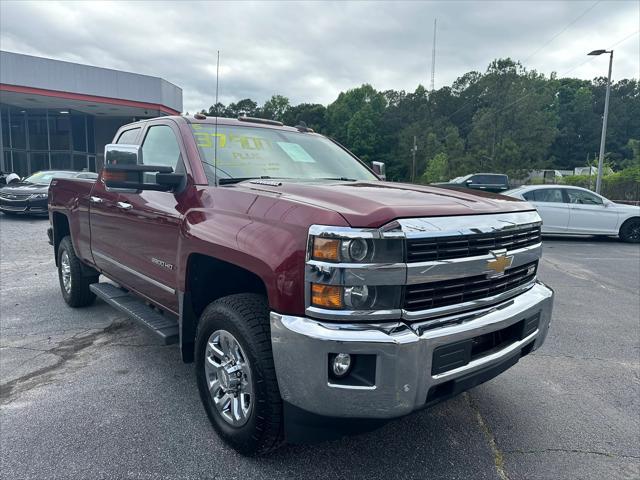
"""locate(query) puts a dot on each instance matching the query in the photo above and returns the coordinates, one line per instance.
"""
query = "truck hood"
(373, 204)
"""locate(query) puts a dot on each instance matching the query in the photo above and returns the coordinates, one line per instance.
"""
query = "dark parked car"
(489, 182)
(31, 195)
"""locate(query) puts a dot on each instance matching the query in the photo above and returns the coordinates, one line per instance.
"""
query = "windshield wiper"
(229, 181)
(344, 179)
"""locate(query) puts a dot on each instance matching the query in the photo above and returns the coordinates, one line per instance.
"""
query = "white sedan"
(578, 211)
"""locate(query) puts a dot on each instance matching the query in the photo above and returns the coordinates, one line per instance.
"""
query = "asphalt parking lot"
(87, 394)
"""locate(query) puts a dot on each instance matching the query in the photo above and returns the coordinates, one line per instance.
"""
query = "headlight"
(356, 250)
(37, 196)
(357, 297)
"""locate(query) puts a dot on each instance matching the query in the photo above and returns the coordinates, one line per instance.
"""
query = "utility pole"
(414, 149)
(604, 118)
(433, 57)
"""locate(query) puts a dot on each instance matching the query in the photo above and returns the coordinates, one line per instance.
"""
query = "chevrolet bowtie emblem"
(499, 263)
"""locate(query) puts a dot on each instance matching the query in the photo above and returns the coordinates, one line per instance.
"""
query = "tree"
(313, 114)
(436, 170)
(244, 107)
(354, 120)
(507, 120)
(275, 108)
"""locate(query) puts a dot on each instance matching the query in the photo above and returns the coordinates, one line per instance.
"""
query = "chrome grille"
(448, 247)
(15, 196)
(450, 292)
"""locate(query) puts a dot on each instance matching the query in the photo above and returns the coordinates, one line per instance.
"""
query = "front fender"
(268, 239)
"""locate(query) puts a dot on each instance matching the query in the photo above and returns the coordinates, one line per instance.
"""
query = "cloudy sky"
(311, 51)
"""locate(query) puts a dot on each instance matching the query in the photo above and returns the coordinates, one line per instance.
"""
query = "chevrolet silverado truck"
(314, 298)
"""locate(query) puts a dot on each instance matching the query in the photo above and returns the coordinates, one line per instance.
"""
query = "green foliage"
(437, 169)
(275, 108)
(622, 185)
(506, 120)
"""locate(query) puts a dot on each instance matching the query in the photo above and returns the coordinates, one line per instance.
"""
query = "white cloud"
(312, 51)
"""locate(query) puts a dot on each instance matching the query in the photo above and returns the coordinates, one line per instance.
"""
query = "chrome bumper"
(403, 356)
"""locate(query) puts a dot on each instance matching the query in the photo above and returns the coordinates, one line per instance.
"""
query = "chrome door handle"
(124, 205)
(96, 199)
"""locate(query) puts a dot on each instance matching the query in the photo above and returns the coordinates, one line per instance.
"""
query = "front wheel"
(630, 231)
(73, 283)
(236, 375)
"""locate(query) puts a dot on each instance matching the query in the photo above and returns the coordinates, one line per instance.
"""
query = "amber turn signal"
(326, 296)
(326, 249)
(111, 176)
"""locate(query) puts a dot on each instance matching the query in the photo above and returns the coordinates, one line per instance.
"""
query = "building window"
(17, 129)
(79, 133)
(8, 164)
(60, 132)
(79, 162)
(38, 137)
(60, 161)
(4, 125)
(32, 140)
(39, 161)
(91, 140)
(20, 165)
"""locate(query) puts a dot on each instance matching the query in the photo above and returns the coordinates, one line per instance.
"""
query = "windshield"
(44, 178)
(248, 152)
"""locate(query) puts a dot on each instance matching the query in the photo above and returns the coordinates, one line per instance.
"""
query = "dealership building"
(60, 115)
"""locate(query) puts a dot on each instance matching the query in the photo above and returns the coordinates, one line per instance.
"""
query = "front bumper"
(37, 206)
(404, 378)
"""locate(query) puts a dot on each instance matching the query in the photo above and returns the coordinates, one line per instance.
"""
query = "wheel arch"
(61, 229)
(627, 221)
(207, 279)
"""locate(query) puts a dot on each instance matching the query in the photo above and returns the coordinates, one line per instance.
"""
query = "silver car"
(578, 211)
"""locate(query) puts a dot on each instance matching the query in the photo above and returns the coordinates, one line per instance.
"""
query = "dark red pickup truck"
(315, 298)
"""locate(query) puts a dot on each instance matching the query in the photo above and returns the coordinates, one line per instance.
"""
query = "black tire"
(77, 294)
(246, 317)
(630, 231)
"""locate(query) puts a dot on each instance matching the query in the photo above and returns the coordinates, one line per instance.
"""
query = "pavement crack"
(41, 350)
(571, 450)
(574, 357)
(65, 351)
(498, 456)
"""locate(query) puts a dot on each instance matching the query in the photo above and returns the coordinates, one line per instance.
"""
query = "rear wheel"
(236, 376)
(630, 231)
(74, 284)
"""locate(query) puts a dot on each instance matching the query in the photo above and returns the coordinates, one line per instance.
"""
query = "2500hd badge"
(313, 297)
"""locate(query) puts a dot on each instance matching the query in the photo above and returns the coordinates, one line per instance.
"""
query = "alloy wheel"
(65, 269)
(228, 375)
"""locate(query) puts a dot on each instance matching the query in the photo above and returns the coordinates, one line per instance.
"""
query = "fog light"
(341, 364)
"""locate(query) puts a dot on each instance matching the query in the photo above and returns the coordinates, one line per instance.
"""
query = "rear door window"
(550, 195)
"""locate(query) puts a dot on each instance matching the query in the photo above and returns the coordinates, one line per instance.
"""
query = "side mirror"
(122, 170)
(469, 182)
(379, 169)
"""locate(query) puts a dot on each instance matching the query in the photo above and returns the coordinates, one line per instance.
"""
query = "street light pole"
(604, 117)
